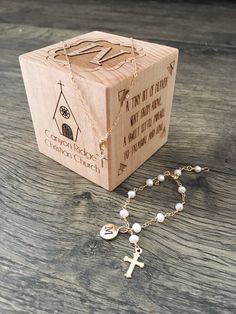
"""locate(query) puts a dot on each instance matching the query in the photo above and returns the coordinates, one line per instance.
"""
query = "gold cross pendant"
(133, 262)
(102, 157)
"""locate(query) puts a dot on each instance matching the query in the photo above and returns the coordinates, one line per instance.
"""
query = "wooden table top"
(52, 259)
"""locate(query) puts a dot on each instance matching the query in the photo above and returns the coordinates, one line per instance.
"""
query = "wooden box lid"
(111, 54)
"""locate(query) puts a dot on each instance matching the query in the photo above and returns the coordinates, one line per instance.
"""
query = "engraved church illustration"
(64, 118)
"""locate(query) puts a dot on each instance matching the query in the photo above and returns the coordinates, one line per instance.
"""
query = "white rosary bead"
(197, 169)
(149, 182)
(161, 178)
(179, 207)
(124, 213)
(131, 194)
(177, 172)
(136, 227)
(133, 238)
(160, 217)
(181, 189)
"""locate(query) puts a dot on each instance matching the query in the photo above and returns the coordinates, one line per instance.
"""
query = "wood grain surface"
(52, 259)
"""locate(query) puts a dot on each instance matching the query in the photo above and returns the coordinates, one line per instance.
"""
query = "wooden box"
(100, 103)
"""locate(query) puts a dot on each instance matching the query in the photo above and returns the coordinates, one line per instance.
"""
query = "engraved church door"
(66, 131)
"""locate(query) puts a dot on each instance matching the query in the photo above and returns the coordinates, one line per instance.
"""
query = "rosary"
(110, 231)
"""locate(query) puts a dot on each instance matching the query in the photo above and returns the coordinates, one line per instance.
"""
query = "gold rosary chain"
(83, 101)
(135, 74)
(127, 228)
(191, 168)
(110, 231)
(102, 140)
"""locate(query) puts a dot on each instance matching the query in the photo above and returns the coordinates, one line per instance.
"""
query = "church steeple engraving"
(64, 117)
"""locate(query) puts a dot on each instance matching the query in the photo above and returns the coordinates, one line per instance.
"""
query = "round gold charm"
(109, 231)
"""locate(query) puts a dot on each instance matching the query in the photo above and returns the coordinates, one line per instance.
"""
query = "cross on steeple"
(60, 83)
